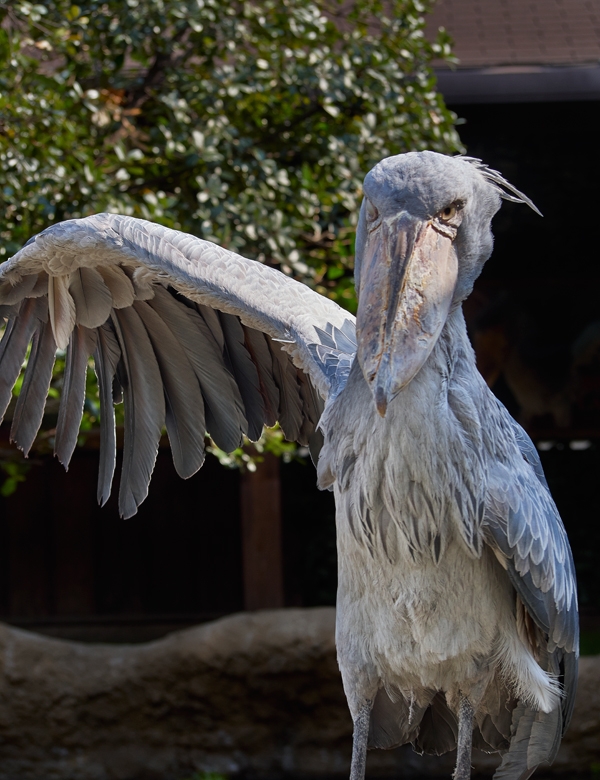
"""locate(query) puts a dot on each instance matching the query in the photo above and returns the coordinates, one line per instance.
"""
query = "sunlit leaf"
(251, 125)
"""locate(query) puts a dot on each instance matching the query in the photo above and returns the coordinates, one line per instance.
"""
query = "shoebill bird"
(456, 613)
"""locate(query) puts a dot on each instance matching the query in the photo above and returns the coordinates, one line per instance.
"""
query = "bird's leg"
(465, 740)
(359, 742)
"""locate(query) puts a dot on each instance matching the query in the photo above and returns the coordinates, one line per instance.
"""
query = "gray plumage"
(312, 409)
(244, 370)
(290, 401)
(81, 346)
(11, 294)
(144, 408)
(457, 612)
(106, 360)
(93, 299)
(224, 409)
(29, 409)
(119, 286)
(13, 346)
(258, 348)
(467, 585)
(184, 407)
(61, 308)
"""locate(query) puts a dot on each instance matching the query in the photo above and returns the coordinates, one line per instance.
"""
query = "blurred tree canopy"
(251, 124)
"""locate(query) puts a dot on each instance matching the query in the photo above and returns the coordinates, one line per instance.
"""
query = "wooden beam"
(262, 558)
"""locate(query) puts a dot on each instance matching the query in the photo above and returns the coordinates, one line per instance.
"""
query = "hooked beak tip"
(381, 401)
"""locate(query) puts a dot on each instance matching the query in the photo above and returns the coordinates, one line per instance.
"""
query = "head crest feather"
(502, 187)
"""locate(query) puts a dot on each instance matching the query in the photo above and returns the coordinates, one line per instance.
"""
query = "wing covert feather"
(93, 301)
(263, 298)
(523, 527)
(14, 293)
(62, 309)
(522, 523)
(188, 334)
(119, 285)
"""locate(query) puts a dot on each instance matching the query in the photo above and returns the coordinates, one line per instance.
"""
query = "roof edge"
(519, 84)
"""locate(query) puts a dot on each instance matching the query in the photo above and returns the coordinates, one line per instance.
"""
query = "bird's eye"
(448, 213)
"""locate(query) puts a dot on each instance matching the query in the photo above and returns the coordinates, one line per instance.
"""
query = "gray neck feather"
(422, 467)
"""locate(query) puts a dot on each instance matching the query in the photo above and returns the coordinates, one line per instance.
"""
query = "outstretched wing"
(191, 336)
(523, 526)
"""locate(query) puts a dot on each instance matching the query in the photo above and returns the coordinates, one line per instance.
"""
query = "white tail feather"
(524, 675)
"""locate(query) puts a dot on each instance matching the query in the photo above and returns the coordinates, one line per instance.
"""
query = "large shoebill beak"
(408, 273)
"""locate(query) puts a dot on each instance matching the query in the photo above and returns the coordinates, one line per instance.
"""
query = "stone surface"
(255, 694)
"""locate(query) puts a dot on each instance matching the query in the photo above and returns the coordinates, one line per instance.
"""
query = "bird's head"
(423, 236)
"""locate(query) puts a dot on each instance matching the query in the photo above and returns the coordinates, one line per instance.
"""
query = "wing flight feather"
(106, 360)
(81, 346)
(183, 398)
(257, 345)
(189, 335)
(13, 346)
(224, 410)
(144, 408)
(245, 372)
(290, 402)
(29, 410)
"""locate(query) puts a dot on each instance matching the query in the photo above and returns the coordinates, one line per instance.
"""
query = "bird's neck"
(453, 352)
(450, 365)
(455, 392)
(443, 403)
(428, 446)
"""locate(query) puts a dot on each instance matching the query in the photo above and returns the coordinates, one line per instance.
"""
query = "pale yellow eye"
(448, 213)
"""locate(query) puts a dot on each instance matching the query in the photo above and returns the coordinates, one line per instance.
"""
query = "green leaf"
(251, 126)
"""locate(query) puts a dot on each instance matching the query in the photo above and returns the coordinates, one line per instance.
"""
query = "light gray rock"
(255, 693)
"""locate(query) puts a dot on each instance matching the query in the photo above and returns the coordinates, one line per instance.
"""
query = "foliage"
(247, 123)
(250, 124)
(14, 471)
(250, 454)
